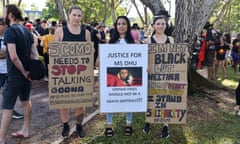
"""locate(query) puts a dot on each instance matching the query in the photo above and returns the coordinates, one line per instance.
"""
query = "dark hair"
(228, 37)
(135, 26)
(16, 12)
(74, 7)
(163, 13)
(116, 36)
(157, 18)
(51, 30)
(95, 24)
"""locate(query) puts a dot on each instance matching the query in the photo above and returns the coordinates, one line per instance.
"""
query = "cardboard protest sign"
(123, 78)
(167, 83)
(71, 77)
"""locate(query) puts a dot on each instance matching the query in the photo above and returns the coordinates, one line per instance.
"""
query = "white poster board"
(116, 93)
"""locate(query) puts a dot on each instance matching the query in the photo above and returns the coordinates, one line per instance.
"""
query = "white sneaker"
(238, 113)
(45, 79)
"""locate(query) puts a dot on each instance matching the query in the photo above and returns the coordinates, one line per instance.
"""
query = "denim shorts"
(13, 88)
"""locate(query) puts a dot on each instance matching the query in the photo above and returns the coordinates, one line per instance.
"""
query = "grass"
(222, 127)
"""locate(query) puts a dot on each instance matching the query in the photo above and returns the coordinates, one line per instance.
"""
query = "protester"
(158, 36)
(135, 33)
(73, 32)
(102, 33)
(122, 35)
(221, 51)
(19, 43)
(46, 40)
(3, 64)
(236, 53)
(96, 37)
(212, 39)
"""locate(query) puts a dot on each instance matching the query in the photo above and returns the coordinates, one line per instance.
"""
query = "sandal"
(128, 131)
(108, 132)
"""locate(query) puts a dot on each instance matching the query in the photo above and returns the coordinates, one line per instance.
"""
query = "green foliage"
(50, 11)
(229, 22)
(93, 11)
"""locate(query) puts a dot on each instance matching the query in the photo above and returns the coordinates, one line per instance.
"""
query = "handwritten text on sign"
(167, 83)
(70, 74)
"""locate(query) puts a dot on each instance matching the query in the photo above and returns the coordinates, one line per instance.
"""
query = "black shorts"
(209, 57)
(15, 87)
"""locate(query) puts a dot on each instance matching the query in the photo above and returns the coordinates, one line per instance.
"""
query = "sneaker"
(238, 113)
(66, 130)
(80, 130)
(165, 132)
(17, 115)
(45, 79)
(147, 128)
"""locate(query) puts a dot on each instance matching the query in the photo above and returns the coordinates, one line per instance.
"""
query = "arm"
(88, 36)
(34, 53)
(147, 40)
(58, 34)
(171, 40)
(15, 59)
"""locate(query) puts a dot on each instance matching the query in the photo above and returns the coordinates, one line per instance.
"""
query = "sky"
(133, 13)
(39, 3)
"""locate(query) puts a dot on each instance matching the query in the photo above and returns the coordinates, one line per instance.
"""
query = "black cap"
(162, 13)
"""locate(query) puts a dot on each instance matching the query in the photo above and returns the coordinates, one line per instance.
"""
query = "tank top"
(68, 36)
(166, 42)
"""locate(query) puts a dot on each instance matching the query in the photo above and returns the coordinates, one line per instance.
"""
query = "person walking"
(158, 36)
(19, 42)
(73, 32)
(3, 65)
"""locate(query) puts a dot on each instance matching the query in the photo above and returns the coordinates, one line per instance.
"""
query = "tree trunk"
(19, 3)
(113, 11)
(146, 15)
(204, 12)
(190, 18)
(139, 14)
(106, 11)
(154, 5)
(184, 19)
(61, 10)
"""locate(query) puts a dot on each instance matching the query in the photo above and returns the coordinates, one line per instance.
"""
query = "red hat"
(29, 25)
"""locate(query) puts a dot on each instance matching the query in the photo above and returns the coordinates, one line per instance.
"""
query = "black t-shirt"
(95, 38)
(20, 36)
(221, 51)
(103, 37)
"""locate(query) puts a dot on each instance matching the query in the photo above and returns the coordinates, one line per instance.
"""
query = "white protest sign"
(123, 78)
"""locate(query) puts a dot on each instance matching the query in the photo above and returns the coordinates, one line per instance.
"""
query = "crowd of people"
(213, 48)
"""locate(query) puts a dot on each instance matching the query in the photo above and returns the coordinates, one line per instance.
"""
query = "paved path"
(46, 125)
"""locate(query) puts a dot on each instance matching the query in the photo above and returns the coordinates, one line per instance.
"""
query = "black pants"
(46, 61)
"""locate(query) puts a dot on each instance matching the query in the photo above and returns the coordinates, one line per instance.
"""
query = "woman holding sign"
(158, 36)
(121, 36)
(73, 32)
